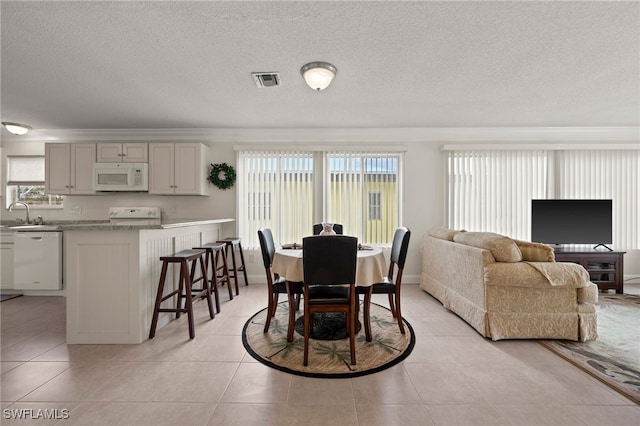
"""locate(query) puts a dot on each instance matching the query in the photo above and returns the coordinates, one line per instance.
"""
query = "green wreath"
(222, 175)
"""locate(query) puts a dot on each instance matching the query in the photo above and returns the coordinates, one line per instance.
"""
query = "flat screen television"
(571, 221)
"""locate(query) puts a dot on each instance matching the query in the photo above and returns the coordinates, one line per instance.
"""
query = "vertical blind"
(603, 174)
(275, 190)
(492, 190)
(362, 192)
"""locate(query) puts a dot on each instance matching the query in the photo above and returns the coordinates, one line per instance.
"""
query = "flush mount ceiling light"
(16, 128)
(318, 75)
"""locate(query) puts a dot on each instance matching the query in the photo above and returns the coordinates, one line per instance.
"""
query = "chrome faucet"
(26, 206)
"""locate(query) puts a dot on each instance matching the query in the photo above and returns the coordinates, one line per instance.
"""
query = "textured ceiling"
(187, 65)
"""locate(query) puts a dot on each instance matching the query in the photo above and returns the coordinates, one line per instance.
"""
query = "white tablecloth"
(371, 267)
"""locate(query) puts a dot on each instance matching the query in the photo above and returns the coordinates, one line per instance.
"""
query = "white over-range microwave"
(120, 177)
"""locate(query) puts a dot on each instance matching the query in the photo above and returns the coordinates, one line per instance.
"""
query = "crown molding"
(320, 135)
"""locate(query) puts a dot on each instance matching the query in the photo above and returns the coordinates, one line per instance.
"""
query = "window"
(492, 190)
(25, 182)
(350, 178)
(289, 191)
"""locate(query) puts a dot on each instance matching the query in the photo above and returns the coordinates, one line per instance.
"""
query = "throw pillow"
(503, 248)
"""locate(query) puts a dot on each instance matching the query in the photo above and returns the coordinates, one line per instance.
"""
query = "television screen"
(571, 221)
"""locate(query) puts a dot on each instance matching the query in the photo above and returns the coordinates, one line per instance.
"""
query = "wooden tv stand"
(605, 268)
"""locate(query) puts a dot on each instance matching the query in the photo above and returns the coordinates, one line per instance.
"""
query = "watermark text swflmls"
(35, 413)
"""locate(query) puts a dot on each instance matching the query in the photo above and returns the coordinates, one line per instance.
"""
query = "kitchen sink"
(35, 228)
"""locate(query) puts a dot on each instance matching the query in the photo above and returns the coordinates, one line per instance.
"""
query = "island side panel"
(101, 279)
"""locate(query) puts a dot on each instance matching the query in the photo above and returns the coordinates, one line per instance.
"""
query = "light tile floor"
(453, 377)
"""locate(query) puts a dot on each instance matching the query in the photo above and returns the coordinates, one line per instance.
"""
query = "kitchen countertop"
(107, 226)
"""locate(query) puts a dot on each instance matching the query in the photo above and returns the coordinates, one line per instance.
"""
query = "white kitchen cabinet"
(178, 168)
(69, 168)
(6, 259)
(122, 152)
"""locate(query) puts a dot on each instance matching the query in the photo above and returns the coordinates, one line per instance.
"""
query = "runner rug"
(614, 357)
(328, 358)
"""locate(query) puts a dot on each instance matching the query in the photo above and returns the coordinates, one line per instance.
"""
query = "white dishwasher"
(37, 261)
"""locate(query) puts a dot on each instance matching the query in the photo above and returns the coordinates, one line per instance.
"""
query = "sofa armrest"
(536, 252)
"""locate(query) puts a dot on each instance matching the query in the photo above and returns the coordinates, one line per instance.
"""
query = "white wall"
(423, 199)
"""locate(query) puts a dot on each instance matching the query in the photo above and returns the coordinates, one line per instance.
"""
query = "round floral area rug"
(328, 358)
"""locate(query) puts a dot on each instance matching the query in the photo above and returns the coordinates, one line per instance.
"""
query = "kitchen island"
(112, 272)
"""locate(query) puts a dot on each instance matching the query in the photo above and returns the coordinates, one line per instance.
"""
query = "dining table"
(371, 267)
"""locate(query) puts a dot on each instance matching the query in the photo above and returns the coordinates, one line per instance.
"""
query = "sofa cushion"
(443, 233)
(503, 248)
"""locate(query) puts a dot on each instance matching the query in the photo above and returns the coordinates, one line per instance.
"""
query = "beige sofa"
(508, 289)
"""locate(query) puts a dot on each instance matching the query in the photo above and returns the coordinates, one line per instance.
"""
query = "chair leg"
(242, 266)
(156, 309)
(225, 270)
(398, 312)
(307, 331)
(214, 285)
(271, 310)
(392, 305)
(292, 318)
(179, 303)
(206, 283)
(186, 284)
(367, 314)
(230, 249)
(352, 327)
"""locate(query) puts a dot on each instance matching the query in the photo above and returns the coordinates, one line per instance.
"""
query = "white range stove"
(134, 215)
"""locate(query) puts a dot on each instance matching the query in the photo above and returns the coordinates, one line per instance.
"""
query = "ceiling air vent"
(266, 79)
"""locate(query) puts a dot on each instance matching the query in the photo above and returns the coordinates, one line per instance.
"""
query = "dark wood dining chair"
(388, 286)
(317, 228)
(277, 285)
(329, 264)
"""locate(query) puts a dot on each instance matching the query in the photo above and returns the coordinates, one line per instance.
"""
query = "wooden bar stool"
(215, 260)
(233, 245)
(184, 258)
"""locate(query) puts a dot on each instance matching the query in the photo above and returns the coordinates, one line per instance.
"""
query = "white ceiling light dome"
(318, 75)
(16, 128)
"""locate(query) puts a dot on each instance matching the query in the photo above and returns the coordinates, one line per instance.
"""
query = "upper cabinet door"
(161, 168)
(57, 167)
(188, 173)
(129, 152)
(82, 158)
(109, 153)
(135, 153)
